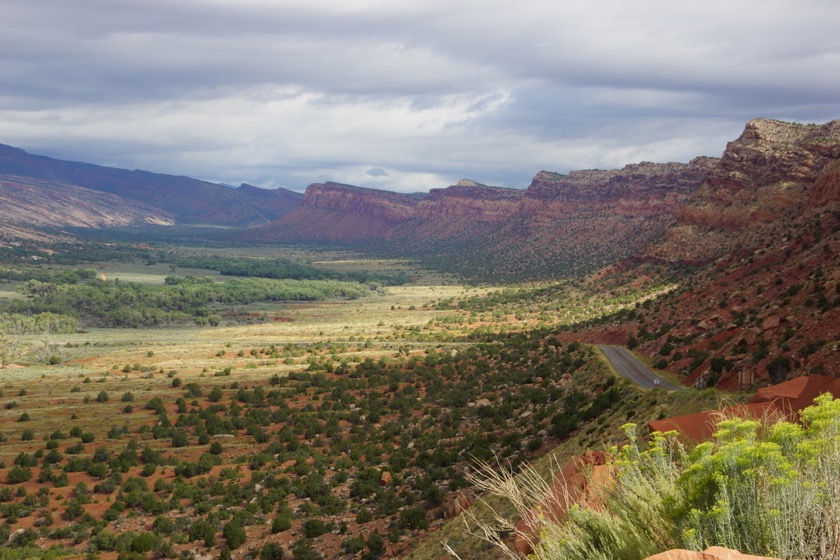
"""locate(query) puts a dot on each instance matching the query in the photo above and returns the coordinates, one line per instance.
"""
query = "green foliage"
(271, 551)
(769, 491)
(413, 518)
(313, 528)
(179, 300)
(18, 474)
(201, 530)
(283, 521)
(40, 323)
(283, 269)
(234, 534)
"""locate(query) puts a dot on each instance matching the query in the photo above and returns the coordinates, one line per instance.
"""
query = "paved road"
(631, 368)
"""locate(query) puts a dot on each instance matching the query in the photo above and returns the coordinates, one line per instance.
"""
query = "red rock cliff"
(348, 199)
(638, 189)
(469, 199)
(773, 167)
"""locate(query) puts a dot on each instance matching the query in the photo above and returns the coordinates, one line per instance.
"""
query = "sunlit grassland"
(370, 326)
(401, 319)
(9, 290)
(148, 274)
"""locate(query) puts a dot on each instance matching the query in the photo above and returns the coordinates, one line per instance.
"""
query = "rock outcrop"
(827, 186)
(770, 169)
(572, 485)
(774, 172)
(783, 400)
(461, 503)
(711, 553)
(470, 200)
(641, 182)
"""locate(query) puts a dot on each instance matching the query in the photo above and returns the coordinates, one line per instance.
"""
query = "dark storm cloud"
(283, 93)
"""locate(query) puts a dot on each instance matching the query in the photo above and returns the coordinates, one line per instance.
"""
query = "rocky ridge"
(559, 225)
(757, 251)
(647, 188)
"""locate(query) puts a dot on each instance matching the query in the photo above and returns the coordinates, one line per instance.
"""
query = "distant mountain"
(38, 190)
(560, 224)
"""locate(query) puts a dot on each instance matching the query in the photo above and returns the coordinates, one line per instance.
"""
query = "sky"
(405, 95)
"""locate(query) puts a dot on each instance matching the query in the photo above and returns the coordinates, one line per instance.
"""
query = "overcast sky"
(405, 95)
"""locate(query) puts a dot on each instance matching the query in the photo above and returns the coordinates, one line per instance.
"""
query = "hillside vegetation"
(766, 488)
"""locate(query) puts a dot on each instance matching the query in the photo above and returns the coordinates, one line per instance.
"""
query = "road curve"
(628, 366)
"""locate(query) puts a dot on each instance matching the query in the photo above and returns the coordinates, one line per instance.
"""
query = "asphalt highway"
(631, 368)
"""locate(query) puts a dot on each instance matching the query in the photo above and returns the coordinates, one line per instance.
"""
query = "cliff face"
(560, 224)
(371, 203)
(827, 186)
(472, 201)
(769, 152)
(577, 222)
(773, 173)
(645, 189)
(771, 168)
(635, 181)
(764, 235)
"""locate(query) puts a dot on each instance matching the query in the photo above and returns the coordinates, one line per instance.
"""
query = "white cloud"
(285, 92)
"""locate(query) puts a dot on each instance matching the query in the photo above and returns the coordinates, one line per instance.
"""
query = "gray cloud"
(287, 92)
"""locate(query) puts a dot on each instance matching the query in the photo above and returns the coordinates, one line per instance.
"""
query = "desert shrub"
(767, 490)
(18, 474)
(215, 395)
(413, 518)
(143, 542)
(283, 521)
(271, 551)
(376, 545)
(313, 528)
(234, 534)
(163, 525)
(202, 530)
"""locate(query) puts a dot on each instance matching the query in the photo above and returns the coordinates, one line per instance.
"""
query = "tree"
(234, 534)
(202, 530)
(271, 551)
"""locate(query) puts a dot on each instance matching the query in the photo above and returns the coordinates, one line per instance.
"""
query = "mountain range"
(41, 191)
(752, 238)
(560, 225)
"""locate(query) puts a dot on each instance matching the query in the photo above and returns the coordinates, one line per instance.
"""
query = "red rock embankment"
(711, 553)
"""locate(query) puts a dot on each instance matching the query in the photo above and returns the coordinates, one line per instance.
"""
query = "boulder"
(711, 553)
(457, 506)
(771, 322)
